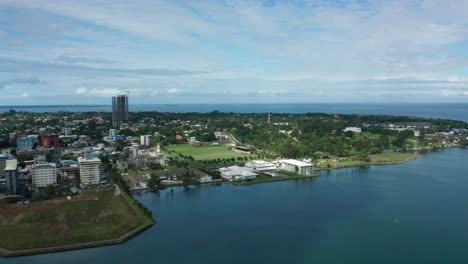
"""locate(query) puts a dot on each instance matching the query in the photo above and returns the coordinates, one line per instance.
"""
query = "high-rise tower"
(119, 110)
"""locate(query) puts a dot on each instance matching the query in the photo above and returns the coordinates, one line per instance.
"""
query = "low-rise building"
(261, 166)
(136, 182)
(296, 166)
(353, 129)
(236, 173)
(201, 176)
(44, 174)
(242, 149)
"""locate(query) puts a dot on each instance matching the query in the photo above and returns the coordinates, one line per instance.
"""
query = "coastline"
(417, 156)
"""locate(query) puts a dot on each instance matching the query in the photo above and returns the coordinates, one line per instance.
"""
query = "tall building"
(145, 140)
(90, 172)
(3, 158)
(11, 173)
(119, 110)
(112, 132)
(44, 174)
(25, 143)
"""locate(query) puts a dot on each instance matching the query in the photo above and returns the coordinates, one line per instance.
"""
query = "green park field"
(205, 152)
(90, 217)
(374, 159)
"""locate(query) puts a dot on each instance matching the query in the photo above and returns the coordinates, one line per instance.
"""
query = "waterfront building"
(236, 173)
(44, 174)
(296, 166)
(90, 172)
(261, 166)
(119, 110)
(25, 143)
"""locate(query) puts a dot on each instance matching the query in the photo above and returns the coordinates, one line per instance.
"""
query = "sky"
(83, 52)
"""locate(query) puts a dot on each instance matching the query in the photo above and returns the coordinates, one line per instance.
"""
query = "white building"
(204, 179)
(44, 174)
(90, 172)
(112, 132)
(352, 129)
(261, 166)
(221, 136)
(145, 140)
(296, 166)
(236, 173)
(67, 131)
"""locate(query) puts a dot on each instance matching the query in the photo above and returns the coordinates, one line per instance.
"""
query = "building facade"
(25, 143)
(296, 166)
(119, 110)
(145, 140)
(50, 141)
(44, 174)
(11, 174)
(90, 172)
(261, 166)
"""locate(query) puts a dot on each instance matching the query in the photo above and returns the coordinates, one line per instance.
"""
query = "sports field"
(205, 152)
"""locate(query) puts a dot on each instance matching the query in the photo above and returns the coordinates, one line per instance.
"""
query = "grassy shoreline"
(104, 239)
(376, 159)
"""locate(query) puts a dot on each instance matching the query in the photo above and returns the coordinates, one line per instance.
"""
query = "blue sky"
(79, 52)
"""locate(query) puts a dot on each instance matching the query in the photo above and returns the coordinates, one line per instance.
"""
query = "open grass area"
(92, 216)
(389, 157)
(205, 152)
(375, 159)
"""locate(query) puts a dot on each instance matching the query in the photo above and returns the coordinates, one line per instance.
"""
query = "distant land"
(457, 111)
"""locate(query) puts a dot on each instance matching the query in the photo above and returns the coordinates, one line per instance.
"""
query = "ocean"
(411, 213)
(457, 111)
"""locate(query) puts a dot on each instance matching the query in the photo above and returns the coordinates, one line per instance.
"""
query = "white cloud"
(173, 91)
(244, 47)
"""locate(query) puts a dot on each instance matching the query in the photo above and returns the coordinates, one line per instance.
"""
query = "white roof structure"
(236, 171)
(11, 165)
(296, 162)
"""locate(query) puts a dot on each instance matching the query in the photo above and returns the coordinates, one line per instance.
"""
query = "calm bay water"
(414, 212)
(458, 111)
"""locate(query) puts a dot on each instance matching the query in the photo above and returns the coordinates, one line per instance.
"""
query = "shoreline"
(372, 164)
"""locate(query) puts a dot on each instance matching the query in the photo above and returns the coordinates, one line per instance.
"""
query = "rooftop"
(296, 162)
(11, 165)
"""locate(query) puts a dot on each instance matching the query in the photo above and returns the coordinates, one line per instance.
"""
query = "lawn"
(93, 216)
(381, 158)
(389, 157)
(205, 152)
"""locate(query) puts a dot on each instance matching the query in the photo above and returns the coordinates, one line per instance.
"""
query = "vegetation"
(92, 216)
(376, 159)
(205, 152)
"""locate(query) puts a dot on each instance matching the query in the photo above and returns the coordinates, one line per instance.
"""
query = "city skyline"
(69, 52)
